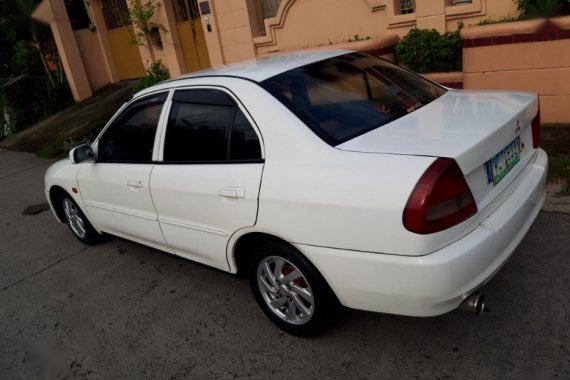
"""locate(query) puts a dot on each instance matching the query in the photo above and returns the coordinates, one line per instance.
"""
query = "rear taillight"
(441, 199)
(536, 130)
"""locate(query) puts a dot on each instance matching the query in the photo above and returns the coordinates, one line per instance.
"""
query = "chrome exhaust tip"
(474, 304)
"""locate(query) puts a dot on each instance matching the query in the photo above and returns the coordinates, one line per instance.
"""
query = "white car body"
(340, 206)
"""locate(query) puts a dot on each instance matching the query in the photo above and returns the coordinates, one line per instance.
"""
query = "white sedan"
(326, 178)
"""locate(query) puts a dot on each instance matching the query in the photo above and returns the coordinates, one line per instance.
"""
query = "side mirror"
(82, 153)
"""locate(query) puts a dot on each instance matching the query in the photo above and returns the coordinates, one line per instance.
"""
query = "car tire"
(290, 290)
(78, 223)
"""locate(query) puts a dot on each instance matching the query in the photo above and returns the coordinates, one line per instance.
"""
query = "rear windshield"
(344, 97)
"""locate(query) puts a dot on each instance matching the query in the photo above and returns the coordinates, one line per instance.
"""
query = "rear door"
(115, 188)
(207, 185)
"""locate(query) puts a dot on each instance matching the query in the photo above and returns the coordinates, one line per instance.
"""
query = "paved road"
(120, 310)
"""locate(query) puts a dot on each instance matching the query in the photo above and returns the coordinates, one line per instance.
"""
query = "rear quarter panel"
(314, 194)
(348, 200)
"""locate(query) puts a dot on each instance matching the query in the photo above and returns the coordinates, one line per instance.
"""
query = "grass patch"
(559, 171)
(55, 149)
(489, 21)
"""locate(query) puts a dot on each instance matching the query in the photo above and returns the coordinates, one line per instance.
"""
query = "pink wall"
(312, 23)
(230, 39)
(525, 55)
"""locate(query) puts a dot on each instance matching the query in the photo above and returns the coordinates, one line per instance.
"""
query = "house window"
(77, 14)
(458, 2)
(259, 10)
(269, 8)
(404, 7)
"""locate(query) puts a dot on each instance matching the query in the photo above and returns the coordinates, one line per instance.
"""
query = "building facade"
(95, 37)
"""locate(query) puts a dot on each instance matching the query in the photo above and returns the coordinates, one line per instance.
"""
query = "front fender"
(64, 174)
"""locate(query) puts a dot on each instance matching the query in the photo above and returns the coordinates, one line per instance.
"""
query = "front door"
(191, 35)
(207, 186)
(115, 189)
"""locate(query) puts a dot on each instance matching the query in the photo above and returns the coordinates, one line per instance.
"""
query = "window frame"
(476, 8)
(238, 104)
(159, 127)
(399, 10)
(451, 3)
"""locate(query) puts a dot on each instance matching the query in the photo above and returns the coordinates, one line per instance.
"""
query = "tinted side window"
(131, 136)
(197, 132)
(244, 142)
(206, 125)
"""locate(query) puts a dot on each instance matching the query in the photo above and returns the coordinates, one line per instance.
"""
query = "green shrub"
(26, 94)
(488, 21)
(154, 74)
(29, 91)
(543, 8)
(425, 50)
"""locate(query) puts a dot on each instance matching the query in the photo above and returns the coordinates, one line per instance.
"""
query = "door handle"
(135, 183)
(232, 192)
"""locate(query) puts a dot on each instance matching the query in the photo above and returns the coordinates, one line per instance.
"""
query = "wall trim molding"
(547, 30)
(376, 5)
(271, 24)
(277, 22)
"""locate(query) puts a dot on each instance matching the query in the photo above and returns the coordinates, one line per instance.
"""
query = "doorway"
(191, 33)
(126, 54)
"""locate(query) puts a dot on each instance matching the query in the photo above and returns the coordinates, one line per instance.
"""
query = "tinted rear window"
(344, 97)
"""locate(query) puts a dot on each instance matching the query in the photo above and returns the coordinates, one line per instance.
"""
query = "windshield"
(344, 97)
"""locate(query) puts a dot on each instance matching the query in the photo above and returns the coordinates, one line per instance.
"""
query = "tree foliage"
(543, 8)
(32, 84)
(146, 30)
(154, 74)
(425, 50)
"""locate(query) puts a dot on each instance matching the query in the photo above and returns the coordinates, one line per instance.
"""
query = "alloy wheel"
(74, 218)
(285, 290)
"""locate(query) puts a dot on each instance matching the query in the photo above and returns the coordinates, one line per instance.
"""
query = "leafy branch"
(141, 16)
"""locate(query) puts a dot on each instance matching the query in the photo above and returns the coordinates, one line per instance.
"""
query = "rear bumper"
(436, 283)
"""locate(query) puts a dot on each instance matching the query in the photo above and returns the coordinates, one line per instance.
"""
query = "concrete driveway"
(120, 310)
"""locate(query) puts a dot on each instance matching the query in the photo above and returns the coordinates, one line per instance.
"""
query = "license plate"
(498, 166)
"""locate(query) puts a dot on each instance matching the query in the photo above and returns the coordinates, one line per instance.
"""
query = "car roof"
(256, 70)
(263, 68)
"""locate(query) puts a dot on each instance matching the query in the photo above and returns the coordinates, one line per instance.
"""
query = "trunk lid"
(471, 127)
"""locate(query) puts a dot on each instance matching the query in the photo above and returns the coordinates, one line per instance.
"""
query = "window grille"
(186, 10)
(115, 13)
(407, 6)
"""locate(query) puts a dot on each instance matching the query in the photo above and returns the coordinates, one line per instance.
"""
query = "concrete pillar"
(171, 54)
(231, 39)
(54, 13)
(96, 14)
(212, 36)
